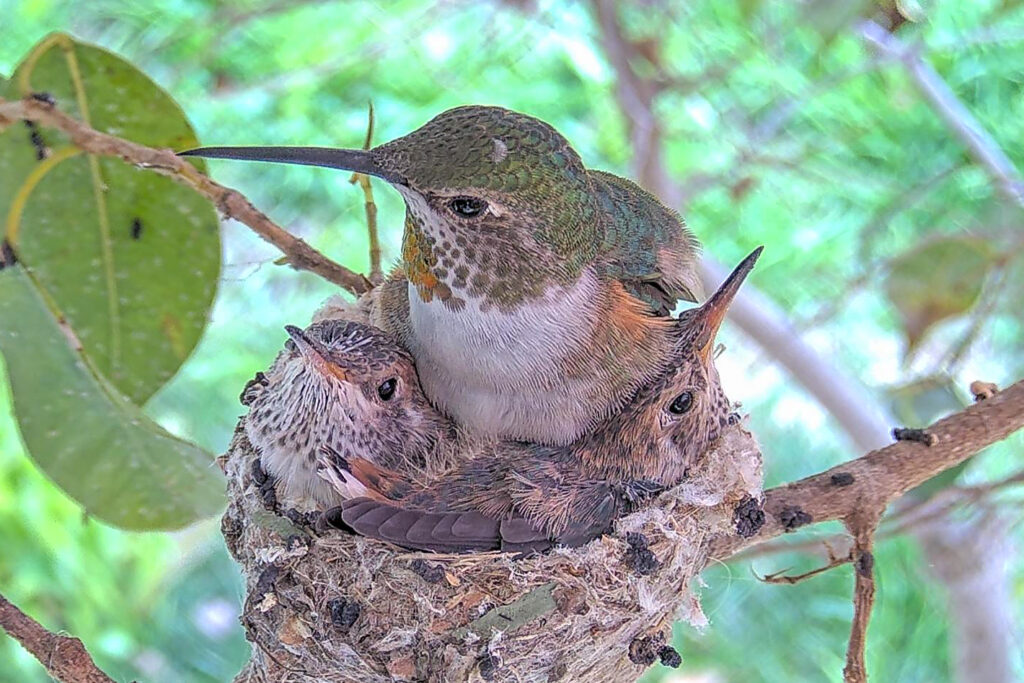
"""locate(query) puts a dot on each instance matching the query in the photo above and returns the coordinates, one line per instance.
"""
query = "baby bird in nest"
(347, 387)
(322, 416)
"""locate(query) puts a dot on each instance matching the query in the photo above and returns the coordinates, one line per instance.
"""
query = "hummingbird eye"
(387, 389)
(681, 403)
(467, 207)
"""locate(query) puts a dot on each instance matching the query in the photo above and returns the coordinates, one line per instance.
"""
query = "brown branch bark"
(64, 657)
(878, 478)
(370, 206)
(856, 670)
(231, 203)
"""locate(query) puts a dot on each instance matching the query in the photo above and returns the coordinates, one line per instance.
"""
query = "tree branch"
(856, 670)
(64, 657)
(231, 203)
(876, 479)
(962, 123)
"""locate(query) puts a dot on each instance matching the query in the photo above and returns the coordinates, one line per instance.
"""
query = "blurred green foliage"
(780, 127)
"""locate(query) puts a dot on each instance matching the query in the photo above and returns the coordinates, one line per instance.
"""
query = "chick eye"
(387, 389)
(467, 207)
(681, 403)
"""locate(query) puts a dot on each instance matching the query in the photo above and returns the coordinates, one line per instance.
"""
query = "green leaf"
(935, 281)
(130, 259)
(86, 436)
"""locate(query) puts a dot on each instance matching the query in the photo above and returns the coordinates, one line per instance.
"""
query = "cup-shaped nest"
(331, 606)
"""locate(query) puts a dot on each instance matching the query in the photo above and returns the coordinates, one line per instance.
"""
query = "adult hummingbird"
(510, 495)
(533, 293)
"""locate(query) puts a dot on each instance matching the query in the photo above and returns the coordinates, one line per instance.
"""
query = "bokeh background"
(775, 123)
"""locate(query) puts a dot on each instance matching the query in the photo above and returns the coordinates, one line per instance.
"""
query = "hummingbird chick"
(349, 387)
(520, 496)
(533, 293)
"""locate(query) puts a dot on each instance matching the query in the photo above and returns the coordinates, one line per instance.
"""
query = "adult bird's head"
(497, 202)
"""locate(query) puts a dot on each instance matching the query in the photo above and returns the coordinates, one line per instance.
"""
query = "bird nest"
(331, 606)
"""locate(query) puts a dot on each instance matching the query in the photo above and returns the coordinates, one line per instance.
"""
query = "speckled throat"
(500, 271)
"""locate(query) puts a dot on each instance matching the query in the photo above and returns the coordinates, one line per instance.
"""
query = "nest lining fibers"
(337, 607)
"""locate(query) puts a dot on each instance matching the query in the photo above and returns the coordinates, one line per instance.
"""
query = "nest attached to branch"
(337, 607)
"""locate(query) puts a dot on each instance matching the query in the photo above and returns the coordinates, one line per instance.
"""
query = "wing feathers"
(453, 532)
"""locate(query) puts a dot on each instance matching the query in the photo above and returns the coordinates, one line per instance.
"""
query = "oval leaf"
(88, 438)
(935, 281)
(130, 259)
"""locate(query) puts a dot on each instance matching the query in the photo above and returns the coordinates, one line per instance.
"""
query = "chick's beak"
(712, 312)
(357, 160)
(314, 352)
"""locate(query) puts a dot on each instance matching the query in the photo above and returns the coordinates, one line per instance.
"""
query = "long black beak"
(356, 160)
(712, 312)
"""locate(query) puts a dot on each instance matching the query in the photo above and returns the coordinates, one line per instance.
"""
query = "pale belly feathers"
(506, 374)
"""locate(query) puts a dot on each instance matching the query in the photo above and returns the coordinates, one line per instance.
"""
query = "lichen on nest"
(331, 606)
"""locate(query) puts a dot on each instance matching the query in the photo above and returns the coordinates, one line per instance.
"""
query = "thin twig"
(376, 276)
(856, 670)
(961, 122)
(231, 203)
(833, 562)
(64, 657)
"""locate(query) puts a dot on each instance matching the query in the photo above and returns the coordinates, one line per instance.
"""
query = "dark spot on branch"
(646, 649)
(344, 612)
(7, 257)
(36, 138)
(748, 517)
(638, 556)
(793, 517)
(865, 563)
(918, 435)
(488, 667)
(431, 573)
(842, 479)
(669, 656)
(136, 229)
(44, 97)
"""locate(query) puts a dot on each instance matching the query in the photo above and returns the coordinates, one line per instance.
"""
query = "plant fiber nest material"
(337, 607)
